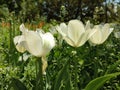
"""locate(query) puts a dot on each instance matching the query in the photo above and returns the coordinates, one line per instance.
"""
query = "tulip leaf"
(63, 77)
(95, 84)
(17, 85)
(68, 82)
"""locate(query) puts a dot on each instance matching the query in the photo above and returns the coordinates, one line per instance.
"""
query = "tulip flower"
(75, 33)
(101, 34)
(37, 42)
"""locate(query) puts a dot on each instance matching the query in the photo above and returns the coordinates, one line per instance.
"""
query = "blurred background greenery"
(62, 10)
(94, 61)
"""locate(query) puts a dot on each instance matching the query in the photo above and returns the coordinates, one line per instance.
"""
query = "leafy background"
(17, 70)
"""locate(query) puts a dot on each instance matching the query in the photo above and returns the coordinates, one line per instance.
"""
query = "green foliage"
(112, 67)
(62, 10)
(95, 84)
(92, 62)
(96, 65)
(63, 79)
(16, 85)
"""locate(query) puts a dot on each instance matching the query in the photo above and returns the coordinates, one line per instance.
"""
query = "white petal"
(82, 40)
(69, 41)
(75, 30)
(48, 42)
(53, 30)
(40, 31)
(88, 33)
(87, 27)
(19, 43)
(85, 36)
(97, 36)
(17, 39)
(62, 29)
(106, 31)
(34, 43)
(23, 28)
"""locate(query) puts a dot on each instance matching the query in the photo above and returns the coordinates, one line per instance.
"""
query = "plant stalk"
(76, 86)
(39, 76)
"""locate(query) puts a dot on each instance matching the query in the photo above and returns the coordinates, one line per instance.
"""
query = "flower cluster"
(39, 43)
(76, 33)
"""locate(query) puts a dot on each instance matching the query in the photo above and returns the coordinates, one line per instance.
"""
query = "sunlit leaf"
(95, 84)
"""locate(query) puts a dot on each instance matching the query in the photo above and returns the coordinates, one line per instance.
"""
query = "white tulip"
(101, 34)
(37, 43)
(75, 33)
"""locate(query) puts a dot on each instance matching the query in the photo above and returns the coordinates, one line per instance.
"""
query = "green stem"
(76, 86)
(75, 68)
(39, 78)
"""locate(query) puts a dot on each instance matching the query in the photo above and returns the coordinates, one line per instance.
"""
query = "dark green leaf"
(63, 76)
(17, 85)
(98, 82)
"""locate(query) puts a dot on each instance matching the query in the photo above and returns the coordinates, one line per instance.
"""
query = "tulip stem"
(75, 69)
(76, 86)
(39, 76)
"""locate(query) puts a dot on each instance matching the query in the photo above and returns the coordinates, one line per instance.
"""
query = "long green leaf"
(68, 82)
(98, 82)
(63, 76)
(17, 85)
